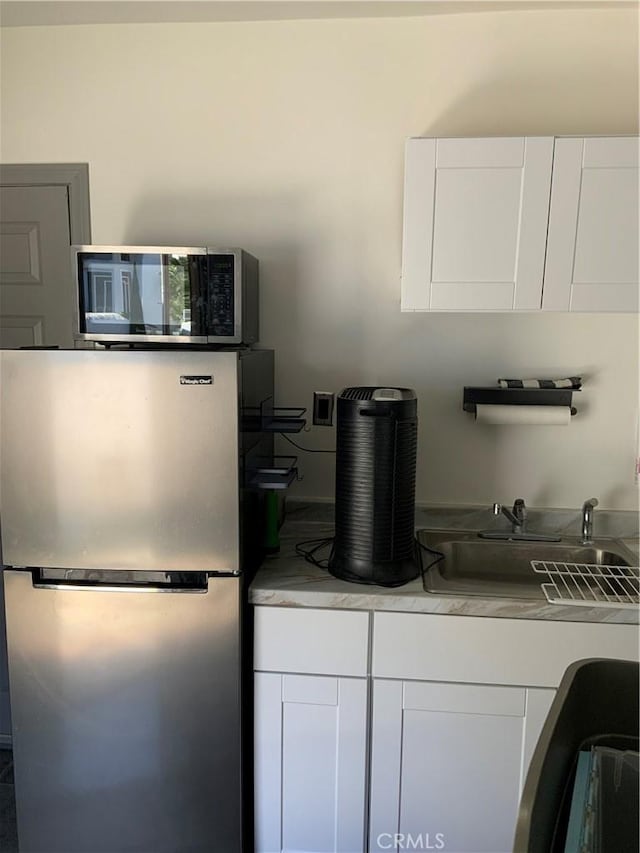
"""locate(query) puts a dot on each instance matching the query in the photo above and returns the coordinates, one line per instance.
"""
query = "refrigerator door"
(121, 459)
(126, 716)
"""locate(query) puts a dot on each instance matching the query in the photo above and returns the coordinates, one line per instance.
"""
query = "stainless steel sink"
(502, 568)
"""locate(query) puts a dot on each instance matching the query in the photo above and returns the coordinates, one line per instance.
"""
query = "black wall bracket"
(496, 396)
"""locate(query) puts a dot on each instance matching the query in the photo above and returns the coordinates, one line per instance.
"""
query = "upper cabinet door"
(592, 247)
(475, 223)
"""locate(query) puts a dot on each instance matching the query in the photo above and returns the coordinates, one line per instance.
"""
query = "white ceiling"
(21, 13)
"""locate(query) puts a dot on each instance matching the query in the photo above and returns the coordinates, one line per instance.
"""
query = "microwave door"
(122, 459)
(140, 293)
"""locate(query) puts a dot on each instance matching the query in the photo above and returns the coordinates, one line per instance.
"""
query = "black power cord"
(437, 554)
(309, 554)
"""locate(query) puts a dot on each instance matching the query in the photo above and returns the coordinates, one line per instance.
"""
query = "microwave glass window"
(136, 293)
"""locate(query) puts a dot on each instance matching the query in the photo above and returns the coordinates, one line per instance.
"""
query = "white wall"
(287, 138)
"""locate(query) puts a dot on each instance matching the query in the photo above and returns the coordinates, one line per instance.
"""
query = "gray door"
(126, 713)
(43, 209)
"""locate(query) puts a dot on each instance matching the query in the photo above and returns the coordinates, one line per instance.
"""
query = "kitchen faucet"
(586, 537)
(518, 518)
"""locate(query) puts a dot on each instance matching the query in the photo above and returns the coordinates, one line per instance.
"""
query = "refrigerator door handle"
(123, 581)
(146, 588)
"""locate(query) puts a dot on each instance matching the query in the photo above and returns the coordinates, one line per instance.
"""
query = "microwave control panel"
(221, 294)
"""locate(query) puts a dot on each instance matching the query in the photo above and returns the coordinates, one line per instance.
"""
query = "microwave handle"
(200, 319)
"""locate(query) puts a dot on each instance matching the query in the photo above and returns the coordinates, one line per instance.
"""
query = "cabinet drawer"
(326, 642)
(491, 651)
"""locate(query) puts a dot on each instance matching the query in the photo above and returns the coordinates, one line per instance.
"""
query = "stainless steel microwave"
(166, 294)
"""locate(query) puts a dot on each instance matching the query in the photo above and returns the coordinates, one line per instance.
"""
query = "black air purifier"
(377, 432)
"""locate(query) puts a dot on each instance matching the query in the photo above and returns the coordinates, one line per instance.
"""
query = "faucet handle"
(520, 509)
(497, 509)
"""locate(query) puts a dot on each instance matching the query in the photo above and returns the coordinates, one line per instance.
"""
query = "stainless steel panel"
(138, 339)
(126, 718)
(108, 461)
(160, 250)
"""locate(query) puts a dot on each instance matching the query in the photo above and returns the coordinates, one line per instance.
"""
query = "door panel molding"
(33, 326)
(25, 238)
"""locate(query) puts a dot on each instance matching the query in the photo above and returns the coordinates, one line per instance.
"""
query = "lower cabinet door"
(448, 763)
(310, 763)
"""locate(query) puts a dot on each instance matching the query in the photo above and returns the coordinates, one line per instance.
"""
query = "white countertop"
(287, 580)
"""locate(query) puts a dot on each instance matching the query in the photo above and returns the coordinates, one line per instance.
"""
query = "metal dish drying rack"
(589, 584)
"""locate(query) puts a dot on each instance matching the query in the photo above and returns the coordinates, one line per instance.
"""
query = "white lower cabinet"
(310, 730)
(404, 731)
(458, 705)
(448, 762)
(310, 763)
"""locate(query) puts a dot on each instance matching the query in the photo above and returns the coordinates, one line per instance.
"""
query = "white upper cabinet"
(475, 223)
(592, 245)
(481, 215)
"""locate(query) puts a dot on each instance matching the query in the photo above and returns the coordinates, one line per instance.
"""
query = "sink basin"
(502, 568)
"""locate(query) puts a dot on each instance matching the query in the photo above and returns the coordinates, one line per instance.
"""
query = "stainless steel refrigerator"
(127, 531)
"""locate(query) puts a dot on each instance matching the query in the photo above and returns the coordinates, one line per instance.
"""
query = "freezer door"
(126, 717)
(120, 459)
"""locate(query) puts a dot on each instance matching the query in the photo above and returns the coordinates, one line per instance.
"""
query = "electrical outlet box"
(323, 408)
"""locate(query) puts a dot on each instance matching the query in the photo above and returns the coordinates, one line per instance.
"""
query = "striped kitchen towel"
(574, 382)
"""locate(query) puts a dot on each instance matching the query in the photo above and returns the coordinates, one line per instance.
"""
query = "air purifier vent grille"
(357, 393)
(376, 451)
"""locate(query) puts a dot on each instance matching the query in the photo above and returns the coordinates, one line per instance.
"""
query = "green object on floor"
(271, 534)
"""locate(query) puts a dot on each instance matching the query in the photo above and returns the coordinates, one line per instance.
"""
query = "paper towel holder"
(495, 396)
